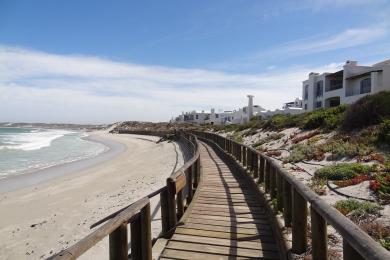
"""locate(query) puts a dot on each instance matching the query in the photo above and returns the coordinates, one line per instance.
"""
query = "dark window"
(365, 86)
(216, 115)
(335, 84)
(196, 117)
(306, 92)
(305, 106)
(319, 88)
(334, 102)
(318, 104)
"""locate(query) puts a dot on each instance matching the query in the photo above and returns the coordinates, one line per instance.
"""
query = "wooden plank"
(181, 254)
(229, 229)
(232, 236)
(245, 210)
(229, 224)
(225, 242)
(229, 214)
(223, 250)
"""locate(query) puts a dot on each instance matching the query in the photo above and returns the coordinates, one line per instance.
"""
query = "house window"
(319, 88)
(365, 86)
(196, 116)
(335, 84)
(305, 106)
(318, 104)
(216, 116)
(306, 92)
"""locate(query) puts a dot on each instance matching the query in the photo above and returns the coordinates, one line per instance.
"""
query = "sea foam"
(33, 140)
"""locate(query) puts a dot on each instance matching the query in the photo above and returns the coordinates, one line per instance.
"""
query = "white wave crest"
(33, 140)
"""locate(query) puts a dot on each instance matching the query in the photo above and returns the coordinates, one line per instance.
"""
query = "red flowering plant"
(354, 181)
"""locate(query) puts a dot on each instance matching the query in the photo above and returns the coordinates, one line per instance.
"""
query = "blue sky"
(105, 61)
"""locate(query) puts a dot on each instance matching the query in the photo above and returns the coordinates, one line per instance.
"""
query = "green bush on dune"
(342, 171)
(369, 110)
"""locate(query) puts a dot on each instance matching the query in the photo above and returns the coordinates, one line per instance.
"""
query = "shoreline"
(23, 180)
(42, 219)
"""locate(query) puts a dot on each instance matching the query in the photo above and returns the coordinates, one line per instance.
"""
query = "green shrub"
(369, 110)
(342, 171)
(385, 242)
(269, 138)
(356, 208)
(384, 131)
(300, 152)
(342, 149)
(327, 119)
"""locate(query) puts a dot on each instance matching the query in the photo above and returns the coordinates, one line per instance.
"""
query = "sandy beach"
(42, 214)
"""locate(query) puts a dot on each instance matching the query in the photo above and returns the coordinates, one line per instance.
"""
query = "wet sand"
(41, 215)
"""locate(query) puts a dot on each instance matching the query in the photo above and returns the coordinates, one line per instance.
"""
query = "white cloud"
(347, 39)
(37, 86)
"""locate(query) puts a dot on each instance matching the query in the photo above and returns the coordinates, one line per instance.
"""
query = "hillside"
(342, 153)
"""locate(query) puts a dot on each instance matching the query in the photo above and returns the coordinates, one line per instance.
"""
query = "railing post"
(196, 173)
(244, 156)
(279, 190)
(299, 223)
(261, 169)
(171, 203)
(118, 243)
(189, 184)
(272, 185)
(180, 205)
(146, 233)
(255, 165)
(349, 253)
(319, 236)
(165, 227)
(135, 231)
(267, 175)
(287, 201)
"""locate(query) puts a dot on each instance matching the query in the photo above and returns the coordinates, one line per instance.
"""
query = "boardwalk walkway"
(226, 219)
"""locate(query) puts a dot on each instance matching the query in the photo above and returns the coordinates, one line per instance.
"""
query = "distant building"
(239, 116)
(345, 86)
(289, 108)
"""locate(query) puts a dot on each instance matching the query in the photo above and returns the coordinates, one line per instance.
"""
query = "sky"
(106, 61)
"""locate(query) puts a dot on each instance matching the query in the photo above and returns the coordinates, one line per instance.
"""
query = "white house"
(289, 108)
(239, 116)
(344, 86)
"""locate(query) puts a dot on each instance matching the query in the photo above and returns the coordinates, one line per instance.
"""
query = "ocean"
(25, 150)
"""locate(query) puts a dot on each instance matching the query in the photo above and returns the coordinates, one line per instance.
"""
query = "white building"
(239, 116)
(289, 108)
(344, 86)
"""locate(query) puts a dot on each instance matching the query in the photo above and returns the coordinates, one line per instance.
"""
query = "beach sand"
(43, 218)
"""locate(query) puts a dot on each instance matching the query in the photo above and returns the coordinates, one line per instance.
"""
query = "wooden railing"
(179, 190)
(292, 198)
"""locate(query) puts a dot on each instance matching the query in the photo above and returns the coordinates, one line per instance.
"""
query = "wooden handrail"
(292, 197)
(138, 213)
(109, 227)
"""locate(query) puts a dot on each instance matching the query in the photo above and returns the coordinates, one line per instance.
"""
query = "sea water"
(24, 150)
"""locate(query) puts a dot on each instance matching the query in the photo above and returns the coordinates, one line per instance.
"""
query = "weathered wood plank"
(180, 254)
(229, 229)
(223, 250)
(232, 236)
(229, 224)
(225, 242)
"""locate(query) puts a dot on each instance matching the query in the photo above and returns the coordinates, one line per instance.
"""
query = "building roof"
(362, 74)
(336, 74)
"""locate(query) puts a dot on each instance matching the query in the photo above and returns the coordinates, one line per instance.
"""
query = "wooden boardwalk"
(226, 220)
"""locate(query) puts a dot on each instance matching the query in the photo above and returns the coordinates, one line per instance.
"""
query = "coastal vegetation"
(335, 149)
(343, 171)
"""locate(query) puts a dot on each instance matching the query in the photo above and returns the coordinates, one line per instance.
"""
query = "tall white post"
(250, 106)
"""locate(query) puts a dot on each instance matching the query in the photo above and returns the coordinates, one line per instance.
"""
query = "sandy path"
(40, 220)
